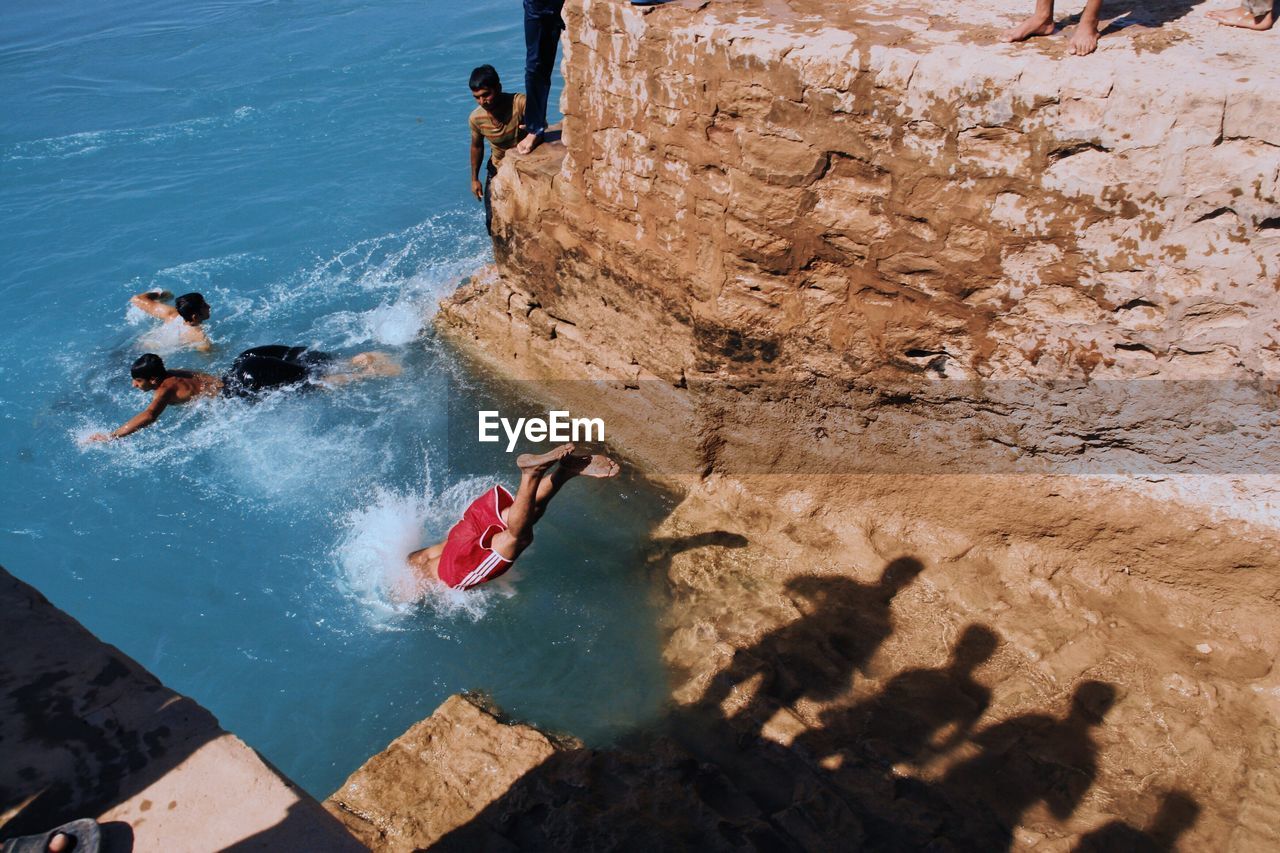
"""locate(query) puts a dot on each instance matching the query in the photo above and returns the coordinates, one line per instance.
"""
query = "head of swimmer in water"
(192, 308)
(148, 372)
(486, 88)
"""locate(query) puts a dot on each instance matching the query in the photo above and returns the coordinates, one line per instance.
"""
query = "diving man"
(497, 527)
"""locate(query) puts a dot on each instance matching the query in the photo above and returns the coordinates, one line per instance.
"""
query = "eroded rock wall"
(848, 195)
(876, 288)
(939, 228)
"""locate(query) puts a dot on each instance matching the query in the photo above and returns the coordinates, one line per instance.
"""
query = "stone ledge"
(436, 776)
(87, 732)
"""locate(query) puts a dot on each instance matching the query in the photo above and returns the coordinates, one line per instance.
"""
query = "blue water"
(304, 166)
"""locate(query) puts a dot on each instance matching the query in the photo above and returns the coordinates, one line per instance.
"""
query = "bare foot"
(1241, 17)
(376, 364)
(536, 463)
(1084, 40)
(588, 466)
(530, 142)
(1033, 26)
(59, 843)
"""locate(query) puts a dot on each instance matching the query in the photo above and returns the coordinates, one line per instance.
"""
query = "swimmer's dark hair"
(485, 77)
(148, 366)
(190, 306)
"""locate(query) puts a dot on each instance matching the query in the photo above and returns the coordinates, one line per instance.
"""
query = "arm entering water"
(152, 302)
(145, 418)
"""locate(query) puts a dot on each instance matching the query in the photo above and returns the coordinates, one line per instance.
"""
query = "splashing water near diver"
(378, 536)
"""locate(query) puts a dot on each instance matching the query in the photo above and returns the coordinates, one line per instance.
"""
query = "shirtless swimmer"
(254, 371)
(189, 309)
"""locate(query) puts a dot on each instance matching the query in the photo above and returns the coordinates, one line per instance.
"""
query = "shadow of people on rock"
(715, 776)
(661, 551)
(1025, 760)
(1117, 15)
(813, 657)
(903, 722)
(1178, 812)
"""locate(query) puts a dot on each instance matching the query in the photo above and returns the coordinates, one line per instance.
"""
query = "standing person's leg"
(489, 171)
(1250, 15)
(1040, 23)
(1084, 40)
(541, 39)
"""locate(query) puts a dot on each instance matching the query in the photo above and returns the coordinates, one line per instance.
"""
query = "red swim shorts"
(467, 559)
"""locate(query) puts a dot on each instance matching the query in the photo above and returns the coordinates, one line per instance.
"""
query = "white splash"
(90, 141)
(377, 538)
(165, 338)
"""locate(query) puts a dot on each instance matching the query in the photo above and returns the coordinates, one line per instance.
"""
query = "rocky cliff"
(930, 240)
(887, 296)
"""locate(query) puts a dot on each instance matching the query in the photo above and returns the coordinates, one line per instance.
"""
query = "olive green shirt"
(500, 136)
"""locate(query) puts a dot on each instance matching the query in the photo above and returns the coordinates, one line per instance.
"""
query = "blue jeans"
(489, 171)
(542, 26)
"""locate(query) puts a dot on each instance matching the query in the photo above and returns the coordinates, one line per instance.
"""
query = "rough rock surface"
(937, 224)
(436, 776)
(87, 732)
(885, 293)
(463, 779)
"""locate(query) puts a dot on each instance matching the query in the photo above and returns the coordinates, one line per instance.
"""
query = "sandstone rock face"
(852, 191)
(941, 223)
(436, 776)
(876, 288)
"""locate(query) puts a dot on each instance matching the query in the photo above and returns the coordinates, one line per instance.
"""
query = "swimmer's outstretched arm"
(152, 302)
(145, 418)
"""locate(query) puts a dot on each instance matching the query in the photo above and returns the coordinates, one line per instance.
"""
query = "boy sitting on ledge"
(497, 527)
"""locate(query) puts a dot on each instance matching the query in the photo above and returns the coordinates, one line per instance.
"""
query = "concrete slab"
(86, 731)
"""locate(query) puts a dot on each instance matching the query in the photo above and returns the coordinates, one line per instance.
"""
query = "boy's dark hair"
(190, 305)
(148, 366)
(485, 77)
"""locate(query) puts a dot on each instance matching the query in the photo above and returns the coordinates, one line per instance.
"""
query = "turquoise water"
(304, 166)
